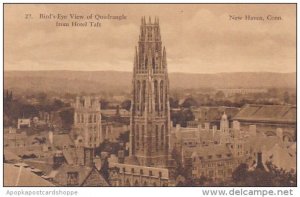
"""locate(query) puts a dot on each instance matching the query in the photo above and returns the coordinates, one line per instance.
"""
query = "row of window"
(141, 95)
(150, 173)
(92, 118)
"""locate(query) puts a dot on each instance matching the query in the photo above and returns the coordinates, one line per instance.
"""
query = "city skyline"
(223, 46)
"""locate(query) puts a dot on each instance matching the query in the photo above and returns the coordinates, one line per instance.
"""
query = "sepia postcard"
(149, 95)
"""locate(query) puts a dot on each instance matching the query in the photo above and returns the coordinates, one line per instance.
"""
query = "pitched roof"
(20, 176)
(269, 113)
(45, 166)
(94, 178)
(62, 140)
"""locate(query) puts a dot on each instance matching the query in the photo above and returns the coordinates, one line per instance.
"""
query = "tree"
(174, 103)
(104, 171)
(240, 173)
(189, 102)
(220, 95)
(41, 97)
(104, 104)
(182, 117)
(57, 104)
(124, 137)
(67, 117)
(39, 140)
(126, 104)
(110, 147)
(179, 170)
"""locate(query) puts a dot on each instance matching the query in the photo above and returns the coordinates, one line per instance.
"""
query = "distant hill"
(116, 81)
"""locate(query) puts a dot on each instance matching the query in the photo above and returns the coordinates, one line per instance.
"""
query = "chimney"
(259, 161)
(252, 130)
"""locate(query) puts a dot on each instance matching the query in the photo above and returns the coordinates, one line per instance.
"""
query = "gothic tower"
(150, 109)
(87, 121)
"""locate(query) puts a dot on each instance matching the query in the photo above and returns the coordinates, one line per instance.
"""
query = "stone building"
(149, 139)
(87, 122)
(150, 109)
(132, 175)
(215, 153)
(212, 115)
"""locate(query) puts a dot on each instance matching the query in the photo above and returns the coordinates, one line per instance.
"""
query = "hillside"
(115, 81)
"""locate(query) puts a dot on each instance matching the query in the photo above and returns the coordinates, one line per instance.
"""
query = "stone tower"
(87, 122)
(224, 129)
(150, 109)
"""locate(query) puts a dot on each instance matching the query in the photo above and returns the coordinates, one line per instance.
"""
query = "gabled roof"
(94, 178)
(62, 140)
(268, 113)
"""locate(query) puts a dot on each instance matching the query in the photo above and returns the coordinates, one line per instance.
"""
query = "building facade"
(87, 122)
(150, 109)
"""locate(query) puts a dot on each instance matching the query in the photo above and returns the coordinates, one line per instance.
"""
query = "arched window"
(143, 133)
(143, 95)
(127, 183)
(136, 183)
(162, 137)
(146, 63)
(156, 95)
(153, 64)
(137, 136)
(161, 93)
(138, 89)
(90, 118)
(156, 137)
(133, 138)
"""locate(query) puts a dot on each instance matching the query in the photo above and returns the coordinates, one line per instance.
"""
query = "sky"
(199, 38)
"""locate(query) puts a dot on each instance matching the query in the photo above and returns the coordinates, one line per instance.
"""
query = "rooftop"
(20, 176)
(268, 113)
